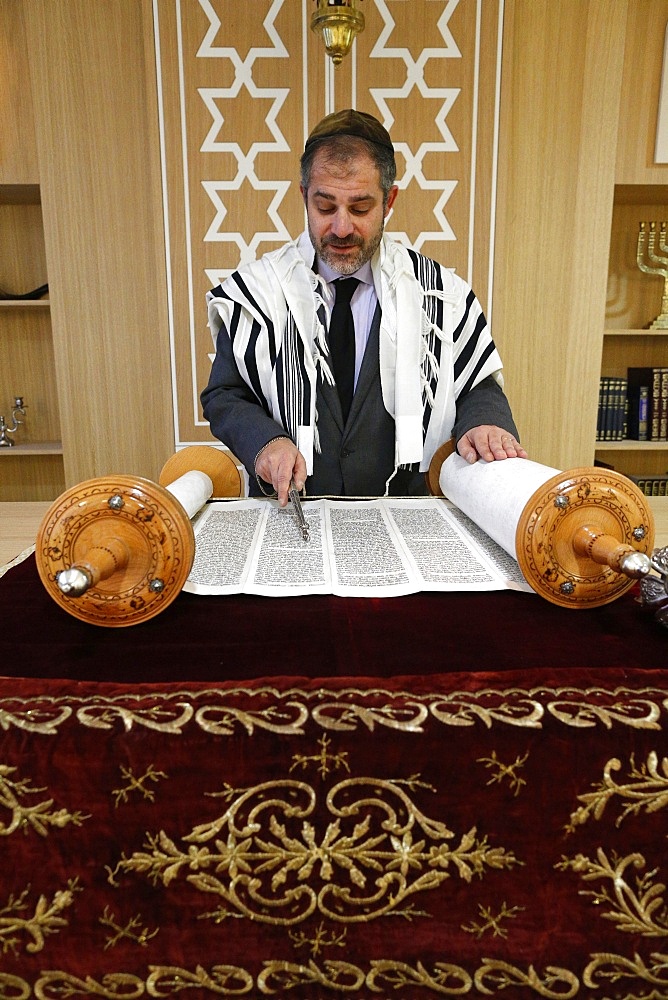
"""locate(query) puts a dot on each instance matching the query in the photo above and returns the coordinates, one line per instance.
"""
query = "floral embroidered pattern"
(375, 854)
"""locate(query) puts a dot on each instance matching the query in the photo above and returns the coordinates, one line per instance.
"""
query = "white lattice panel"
(240, 84)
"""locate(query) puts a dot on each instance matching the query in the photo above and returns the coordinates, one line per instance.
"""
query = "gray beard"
(360, 254)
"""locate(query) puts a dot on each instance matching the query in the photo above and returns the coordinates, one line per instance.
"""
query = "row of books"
(634, 408)
(651, 486)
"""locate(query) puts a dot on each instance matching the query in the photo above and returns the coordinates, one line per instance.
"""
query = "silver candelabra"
(6, 429)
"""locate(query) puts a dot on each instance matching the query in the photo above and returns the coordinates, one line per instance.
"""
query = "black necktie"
(342, 341)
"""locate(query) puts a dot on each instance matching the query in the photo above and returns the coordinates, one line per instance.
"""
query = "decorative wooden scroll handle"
(117, 550)
(585, 537)
(582, 538)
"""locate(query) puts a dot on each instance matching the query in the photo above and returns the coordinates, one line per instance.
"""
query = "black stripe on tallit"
(291, 377)
(271, 334)
(473, 376)
(470, 347)
(428, 274)
(470, 299)
(220, 293)
(250, 360)
(249, 356)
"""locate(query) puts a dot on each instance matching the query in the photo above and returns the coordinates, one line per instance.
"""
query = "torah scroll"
(580, 537)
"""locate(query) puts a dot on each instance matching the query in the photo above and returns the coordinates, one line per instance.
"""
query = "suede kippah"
(350, 122)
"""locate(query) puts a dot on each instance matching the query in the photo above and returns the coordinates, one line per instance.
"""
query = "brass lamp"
(338, 22)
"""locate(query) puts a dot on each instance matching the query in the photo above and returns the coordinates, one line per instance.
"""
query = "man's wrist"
(279, 437)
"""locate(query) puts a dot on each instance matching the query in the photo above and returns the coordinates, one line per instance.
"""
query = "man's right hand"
(279, 463)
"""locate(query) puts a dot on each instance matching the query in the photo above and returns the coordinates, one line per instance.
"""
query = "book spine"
(608, 409)
(643, 413)
(663, 406)
(599, 412)
(621, 423)
(654, 419)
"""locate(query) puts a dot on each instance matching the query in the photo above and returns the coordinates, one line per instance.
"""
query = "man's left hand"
(490, 443)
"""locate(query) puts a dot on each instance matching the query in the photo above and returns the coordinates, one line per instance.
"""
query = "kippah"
(350, 122)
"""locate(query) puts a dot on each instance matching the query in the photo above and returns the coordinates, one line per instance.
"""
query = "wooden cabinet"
(640, 195)
(81, 209)
(634, 301)
(33, 468)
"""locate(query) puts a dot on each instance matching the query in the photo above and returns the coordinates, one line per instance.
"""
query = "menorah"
(651, 262)
(5, 429)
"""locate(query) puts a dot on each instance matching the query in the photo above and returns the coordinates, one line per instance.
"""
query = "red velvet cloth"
(416, 837)
(443, 794)
(242, 637)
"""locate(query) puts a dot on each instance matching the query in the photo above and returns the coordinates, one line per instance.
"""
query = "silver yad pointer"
(293, 496)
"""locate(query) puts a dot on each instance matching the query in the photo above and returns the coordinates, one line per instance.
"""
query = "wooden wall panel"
(240, 88)
(93, 80)
(39, 477)
(217, 127)
(562, 73)
(18, 151)
(645, 37)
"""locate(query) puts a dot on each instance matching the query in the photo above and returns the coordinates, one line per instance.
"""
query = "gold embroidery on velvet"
(14, 987)
(378, 850)
(35, 720)
(605, 968)
(137, 784)
(408, 716)
(38, 817)
(492, 922)
(584, 713)
(342, 710)
(340, 976)
(46, 918)
(132, 931)
(556, 984)
(223, 980)
(273, 719)
(463, 709)
(103, 713)
(647, 789)
(327, 762)
(114, 986)
(634, 905)
(383, 976)
(444, 978)
(319, 940)
(505, 771)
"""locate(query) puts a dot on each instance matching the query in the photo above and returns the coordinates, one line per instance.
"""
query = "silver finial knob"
(73, 582)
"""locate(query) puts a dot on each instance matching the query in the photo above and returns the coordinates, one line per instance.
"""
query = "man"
(425, 366)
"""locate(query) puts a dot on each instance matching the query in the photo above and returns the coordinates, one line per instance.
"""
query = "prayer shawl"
(434, 342)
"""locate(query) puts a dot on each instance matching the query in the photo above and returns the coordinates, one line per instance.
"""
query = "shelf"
(641, 194)
(612, 332)
(36, 448)
(25, 303)
(630, 445)
(20, 194)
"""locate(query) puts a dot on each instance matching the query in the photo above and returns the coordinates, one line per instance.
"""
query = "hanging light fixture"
(338, 21)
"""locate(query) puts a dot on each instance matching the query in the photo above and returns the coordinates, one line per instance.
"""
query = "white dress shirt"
(363, 304)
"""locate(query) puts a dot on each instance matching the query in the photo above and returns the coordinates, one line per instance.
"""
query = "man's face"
(345, 211)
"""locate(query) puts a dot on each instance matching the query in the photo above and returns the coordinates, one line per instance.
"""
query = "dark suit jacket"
(355, 460)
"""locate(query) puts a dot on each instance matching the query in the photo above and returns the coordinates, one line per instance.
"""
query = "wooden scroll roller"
(117, 550)
(581, 537)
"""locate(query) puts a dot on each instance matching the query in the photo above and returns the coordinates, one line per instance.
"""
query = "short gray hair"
(342, 149)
